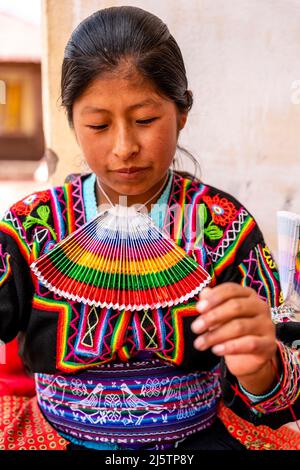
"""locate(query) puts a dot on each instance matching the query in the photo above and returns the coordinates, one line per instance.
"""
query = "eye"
(146, 121)
(98, 128)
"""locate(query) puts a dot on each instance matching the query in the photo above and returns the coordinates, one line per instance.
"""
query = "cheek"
(166, 136)
(90, 145)
(164, 147)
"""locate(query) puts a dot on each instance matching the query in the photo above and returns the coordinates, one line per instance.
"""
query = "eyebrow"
(94, 109)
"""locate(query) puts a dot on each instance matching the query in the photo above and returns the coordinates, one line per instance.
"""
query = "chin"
(130, 191)
(132, 187)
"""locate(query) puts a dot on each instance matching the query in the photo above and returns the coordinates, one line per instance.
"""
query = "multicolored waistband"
(128, 403)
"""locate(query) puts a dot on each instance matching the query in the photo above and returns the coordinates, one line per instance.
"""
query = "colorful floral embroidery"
(25, 206)
(211, 231)
(5, 268)
(43, 212)
(223, 211)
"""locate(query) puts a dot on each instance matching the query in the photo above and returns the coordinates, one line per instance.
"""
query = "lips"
(133, 169)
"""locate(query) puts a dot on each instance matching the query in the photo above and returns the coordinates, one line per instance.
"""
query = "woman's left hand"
(237, 324)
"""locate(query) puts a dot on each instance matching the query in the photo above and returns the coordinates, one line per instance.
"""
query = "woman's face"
(123, 125)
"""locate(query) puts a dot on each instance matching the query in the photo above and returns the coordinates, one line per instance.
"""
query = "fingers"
(230, 309)
(233, 320)
(251, 344)
(212, 297)
(231, 330)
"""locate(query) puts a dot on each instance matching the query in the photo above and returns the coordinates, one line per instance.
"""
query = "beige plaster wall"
(243, 64)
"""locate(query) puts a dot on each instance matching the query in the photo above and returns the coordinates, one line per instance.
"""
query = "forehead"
(112, 92)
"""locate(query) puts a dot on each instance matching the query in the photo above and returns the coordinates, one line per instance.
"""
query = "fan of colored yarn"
(297, 270)
(288, 224)
(121, 260)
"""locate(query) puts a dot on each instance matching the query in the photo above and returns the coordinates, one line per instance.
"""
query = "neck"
(146, 199)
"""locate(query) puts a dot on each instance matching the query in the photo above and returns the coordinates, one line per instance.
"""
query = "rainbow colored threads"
(288, 227)
(297, 271)
(121, 260)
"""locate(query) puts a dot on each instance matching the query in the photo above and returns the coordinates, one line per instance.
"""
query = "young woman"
(152, 379)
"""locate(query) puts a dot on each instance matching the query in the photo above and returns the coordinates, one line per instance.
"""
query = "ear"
(182, 120)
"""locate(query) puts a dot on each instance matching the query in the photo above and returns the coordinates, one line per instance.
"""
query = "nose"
(125, 143)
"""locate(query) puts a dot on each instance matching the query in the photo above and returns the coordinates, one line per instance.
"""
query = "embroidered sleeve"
(24, 230)
(286, 392)
(15, 289)
(258, 270)
(280, 406)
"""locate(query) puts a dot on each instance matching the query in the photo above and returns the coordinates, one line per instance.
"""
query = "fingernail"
(200, 342)
(218, 349)
(197, 325)
(202, 305)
